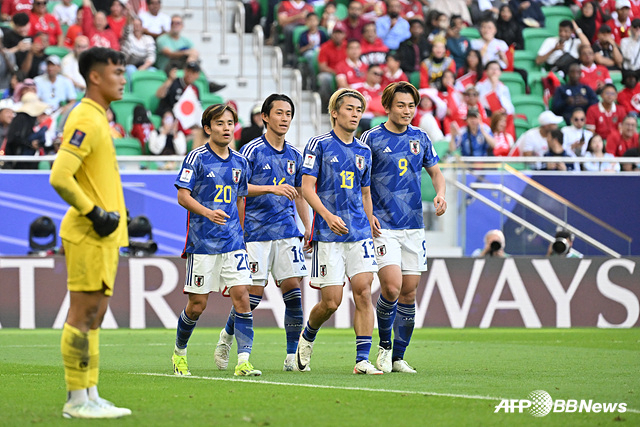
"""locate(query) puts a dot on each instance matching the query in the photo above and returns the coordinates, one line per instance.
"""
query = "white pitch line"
(331, 387)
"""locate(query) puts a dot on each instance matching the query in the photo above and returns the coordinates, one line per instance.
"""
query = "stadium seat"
(557, 10)
(525, 60)
(127, 146)
(442, 148)
(428, 192)
(210, 99)
(535, 83)
(58, 51)
(530, 106)
(123, 110)
(521, 126)
(514, 82)
(378, 120)
(470, 32)
(414, 79)
(616, 79)
(534, 37)
(144, 85)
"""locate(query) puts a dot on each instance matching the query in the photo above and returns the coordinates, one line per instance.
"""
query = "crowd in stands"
(496, 77)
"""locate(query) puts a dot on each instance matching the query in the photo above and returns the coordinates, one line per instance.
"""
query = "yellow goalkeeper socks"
(74, 347)
(94, 356)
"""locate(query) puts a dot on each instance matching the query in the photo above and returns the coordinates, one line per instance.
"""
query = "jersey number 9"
(402, 164)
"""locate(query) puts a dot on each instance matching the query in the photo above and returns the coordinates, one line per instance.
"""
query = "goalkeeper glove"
(104, 223)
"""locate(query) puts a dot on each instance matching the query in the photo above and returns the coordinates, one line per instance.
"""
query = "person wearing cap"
(606, 49)
(533, 143)
(96, 27)
(630, 47)
(553, 48)
(621, 20)
(173, 46)
(392, 28)
(331, 54)
(255, 129)
(604, 117)
(53, 88)
(475, 139)
(572, 94)
(21, 138)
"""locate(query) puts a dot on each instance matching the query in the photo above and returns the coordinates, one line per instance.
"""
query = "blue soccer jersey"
(341, 170)
(398, 160)
(215, 183)
(271, 217)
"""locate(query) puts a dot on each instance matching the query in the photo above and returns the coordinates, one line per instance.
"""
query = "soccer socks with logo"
(403, 329)
(309, 333)
(386, 312)
(254, 301)
(363, 347)
(74, 346)
(185, 328)
(292, 318)
(94, 362)
(244, 332)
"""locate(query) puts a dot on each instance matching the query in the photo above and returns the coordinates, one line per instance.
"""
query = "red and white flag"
(188, 110)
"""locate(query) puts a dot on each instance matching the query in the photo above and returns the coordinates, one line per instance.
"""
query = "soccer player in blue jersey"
(274, 242)
(211, 186)
(336, 182)
(399, 153)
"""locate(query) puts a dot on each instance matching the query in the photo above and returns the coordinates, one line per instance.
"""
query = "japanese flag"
(188, 110)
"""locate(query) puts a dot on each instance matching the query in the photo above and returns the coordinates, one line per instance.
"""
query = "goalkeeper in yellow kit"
(85, 174)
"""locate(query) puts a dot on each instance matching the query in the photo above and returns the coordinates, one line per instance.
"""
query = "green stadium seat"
(514, 82)
(534, 37)
(530, 106)
(144, 85)
(442, 148)
(210, 99)
(470, 32)
(127, 146)
(378, 121)
(123, 110)
(525, 60)
(557, 10)
(521, 126)
(59, 51)
(428, 192)
(414, 79)
(616, 79)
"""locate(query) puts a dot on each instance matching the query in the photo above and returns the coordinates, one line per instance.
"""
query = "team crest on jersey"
(323, 270)
(291, 167)
(253, 267)
(198, 280)
(360, 162)
(414, 146)
(381, 250)
(236, 175)
(77, 138)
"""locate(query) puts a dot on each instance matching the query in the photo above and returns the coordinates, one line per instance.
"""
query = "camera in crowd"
(562, 244)
(494, 247)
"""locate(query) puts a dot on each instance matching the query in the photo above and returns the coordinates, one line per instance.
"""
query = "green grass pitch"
(462, 374)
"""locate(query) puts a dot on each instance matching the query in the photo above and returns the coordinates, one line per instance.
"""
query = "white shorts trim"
(404, 248)
(215, 273)
(284, 258)
(333, 260)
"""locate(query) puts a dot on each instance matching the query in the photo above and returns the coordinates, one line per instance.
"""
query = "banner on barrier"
(456, 292)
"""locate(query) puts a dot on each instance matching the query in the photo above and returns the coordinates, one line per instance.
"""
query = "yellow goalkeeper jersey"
(85, 173)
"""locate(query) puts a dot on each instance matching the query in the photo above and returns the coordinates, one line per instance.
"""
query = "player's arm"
(368, 209)
(186, 200)
(240, 205)
(437, 179)
(335, 223)
(302, 207)
(63, 181)
(284, 190)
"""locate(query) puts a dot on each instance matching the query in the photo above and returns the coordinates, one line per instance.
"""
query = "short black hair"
(98, 56)
(267, 105)
(565, 24)
(564, 234)
(607, 85)
(557, 135)
(310, 14)
(20, 19)
(215, 111)
(486, 67)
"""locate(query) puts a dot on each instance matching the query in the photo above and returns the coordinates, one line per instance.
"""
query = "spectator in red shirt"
(95, 27)
(352, 69)
(604, 117)
(291, 14)
(591, 74)
(374, 51)
(620, 24)
(626, 139)
(354, 22)
(371, 89)
(411, 9)
(629, 97)
(117, 18)
(11, 7)
(332, 53)
(43, 22)
(393, 73)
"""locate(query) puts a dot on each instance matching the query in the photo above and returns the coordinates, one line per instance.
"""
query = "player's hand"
(440, 204)
(337, 225)
(218, 216)
(104, 223)
(375, 227)
(285, 190)
(307, 241)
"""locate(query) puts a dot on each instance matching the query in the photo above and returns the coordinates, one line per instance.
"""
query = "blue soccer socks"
(386, 313)
(403, 329)
(292, 318)
(185, 328)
